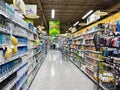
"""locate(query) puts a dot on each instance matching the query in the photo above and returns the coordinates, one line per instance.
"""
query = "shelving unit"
(95, 51)
(21, 67)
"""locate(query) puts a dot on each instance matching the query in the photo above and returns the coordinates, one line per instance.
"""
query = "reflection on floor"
(58, 73)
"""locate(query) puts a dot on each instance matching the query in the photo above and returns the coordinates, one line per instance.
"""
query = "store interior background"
(80, 40)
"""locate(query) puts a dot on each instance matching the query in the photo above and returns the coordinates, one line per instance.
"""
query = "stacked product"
(98, 52)
(19, 58)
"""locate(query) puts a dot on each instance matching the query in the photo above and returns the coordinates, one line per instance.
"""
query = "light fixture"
(87, 14)
(53, 13)
(76, 23)
(32, 16)
(100, 13)
(82, 24)
(70, 28)
(40, 27)
(73, 29)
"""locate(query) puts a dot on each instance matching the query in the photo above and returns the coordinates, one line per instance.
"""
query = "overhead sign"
(31, 9)
(54, 27)
(92, 18)
(19, 4)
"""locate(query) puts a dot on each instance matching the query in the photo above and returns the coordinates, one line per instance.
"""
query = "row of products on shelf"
(11, 47)
(9, 11)
(108, 45)
(9, 27)
(6, 68)
(5, 39)
(20, 74)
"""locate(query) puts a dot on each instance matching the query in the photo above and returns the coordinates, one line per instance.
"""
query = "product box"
(2, 5)
(5, 39)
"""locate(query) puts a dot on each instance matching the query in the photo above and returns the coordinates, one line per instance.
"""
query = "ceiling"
(69, 11)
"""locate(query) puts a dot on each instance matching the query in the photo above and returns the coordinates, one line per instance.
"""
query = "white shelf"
(14, 20)
(13, 58)
(34, 54)
(31, 48)
(9, 45)
(89, 44)
(86, 73)
(85, 44)
(81, 50)
(20, 45)
(93, 31)
(104, 88)
(4, 14)
(90, 69)
(37, 52)
(23, 81)
(88, 62)
(79, 38)
(89, 38)
(29, 73)
(97, 52)
(31, 40)
(3, 30)
(8, 74)
(93, 58)
(99, 30)
(13, 83)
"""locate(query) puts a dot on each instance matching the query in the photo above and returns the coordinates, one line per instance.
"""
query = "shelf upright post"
(114, 73)
(98, 68)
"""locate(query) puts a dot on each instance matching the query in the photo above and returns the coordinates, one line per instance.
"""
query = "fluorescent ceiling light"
(53, 13)
(70, 28)
(76, 23)
(87, 14)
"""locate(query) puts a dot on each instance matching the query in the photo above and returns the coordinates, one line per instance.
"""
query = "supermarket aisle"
(60, 74)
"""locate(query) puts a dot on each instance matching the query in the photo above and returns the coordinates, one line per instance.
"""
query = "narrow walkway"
(58, 74)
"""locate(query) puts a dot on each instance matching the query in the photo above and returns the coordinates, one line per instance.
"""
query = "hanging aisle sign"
(31, 11)
(19, 5)
(92, 18)
(54, 27)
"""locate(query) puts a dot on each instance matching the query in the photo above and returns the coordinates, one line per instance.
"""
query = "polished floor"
(58, 73)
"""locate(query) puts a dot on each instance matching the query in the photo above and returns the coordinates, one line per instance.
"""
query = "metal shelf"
(10, 73)
(4, 31)
(13, 83)
(96, 52)
(85, 73)
(23, 81)
(31, 40)
(94, 58)
(13, 58)
(89, 38)
(33, 77)
(90, 77)
(29, 73)
(98, 30)
(12, 18)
